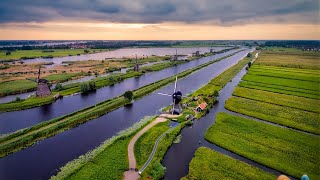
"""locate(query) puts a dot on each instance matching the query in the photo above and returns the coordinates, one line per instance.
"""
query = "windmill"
(43, 88)
(175, 57)
(176, 98)
(211, 50)
(136, 66)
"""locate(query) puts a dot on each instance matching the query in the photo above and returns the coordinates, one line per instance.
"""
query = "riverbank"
(100, 82)
(26, 137)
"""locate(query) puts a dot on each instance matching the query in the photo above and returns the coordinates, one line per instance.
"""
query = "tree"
(86, 51)
(249, 64)
(92, 85)
(249, 55)
(8, 53)
(128, 95)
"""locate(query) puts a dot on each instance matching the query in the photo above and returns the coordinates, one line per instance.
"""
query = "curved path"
(132, 174)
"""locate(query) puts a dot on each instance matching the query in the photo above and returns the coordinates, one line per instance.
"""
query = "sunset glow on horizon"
(171, 20)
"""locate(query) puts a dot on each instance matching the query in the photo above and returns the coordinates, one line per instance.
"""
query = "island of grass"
(285, 150)
(209, 164)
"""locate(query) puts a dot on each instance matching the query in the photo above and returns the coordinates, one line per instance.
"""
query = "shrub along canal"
(15, 120)
(54, 152)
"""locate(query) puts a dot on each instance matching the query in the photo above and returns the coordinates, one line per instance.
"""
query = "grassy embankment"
(26, 137)
(285, 150)
(209, 164)
(100, 82)
(31, 54)
(143, 145)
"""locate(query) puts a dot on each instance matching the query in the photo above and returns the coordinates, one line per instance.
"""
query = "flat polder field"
(280, 97)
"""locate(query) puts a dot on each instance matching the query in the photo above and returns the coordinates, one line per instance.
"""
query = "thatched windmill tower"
(43, 88)
(136, 66)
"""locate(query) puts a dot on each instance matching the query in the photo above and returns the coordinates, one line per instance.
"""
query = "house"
(201, 107)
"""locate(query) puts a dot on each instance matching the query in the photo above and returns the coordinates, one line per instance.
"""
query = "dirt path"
(131, 174)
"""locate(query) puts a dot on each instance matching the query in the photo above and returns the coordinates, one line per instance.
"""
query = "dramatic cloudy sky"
(159, 19)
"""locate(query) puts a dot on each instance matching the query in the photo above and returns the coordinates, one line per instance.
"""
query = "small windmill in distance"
(136, 66)
(175, 57)
(176, 98)
(211, 50)
(43, 88)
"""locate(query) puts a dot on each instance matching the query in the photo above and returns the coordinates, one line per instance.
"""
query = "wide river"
(127, 53)
(12, 121)
(43, 159)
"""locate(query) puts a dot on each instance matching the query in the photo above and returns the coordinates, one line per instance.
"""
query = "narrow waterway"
(43, 159)
(179, 156)
(15, 120)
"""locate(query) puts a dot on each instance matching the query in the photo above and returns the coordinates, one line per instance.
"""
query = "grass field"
(313, 86)
(20, 54)
(18, 86)
(281, 89)
(290, 58)
(144, 145)
(287, 116)
(209, 164)
(298, 74)
(62, 77)
(285, 150)
(306, 104)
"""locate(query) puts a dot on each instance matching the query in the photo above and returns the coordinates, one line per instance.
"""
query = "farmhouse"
(201, 107)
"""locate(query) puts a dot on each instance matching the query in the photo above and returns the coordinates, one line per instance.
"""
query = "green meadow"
(209, 164)
(302, 103)
(285, 150)
(287, 116)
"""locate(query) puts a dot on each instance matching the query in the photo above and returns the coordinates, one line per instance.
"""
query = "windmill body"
(43, 88)
(176, 99)
(136, 65)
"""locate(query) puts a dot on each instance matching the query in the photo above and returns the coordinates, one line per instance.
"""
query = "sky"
(159, 19)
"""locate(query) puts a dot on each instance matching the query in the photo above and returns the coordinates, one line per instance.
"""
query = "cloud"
(227, 12)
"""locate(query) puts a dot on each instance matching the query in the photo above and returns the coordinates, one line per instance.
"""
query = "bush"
(87, 87)
(128, 95)
(249, 64)
(216, 93)
(18, 99)
(58, 87)
(249, 55)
